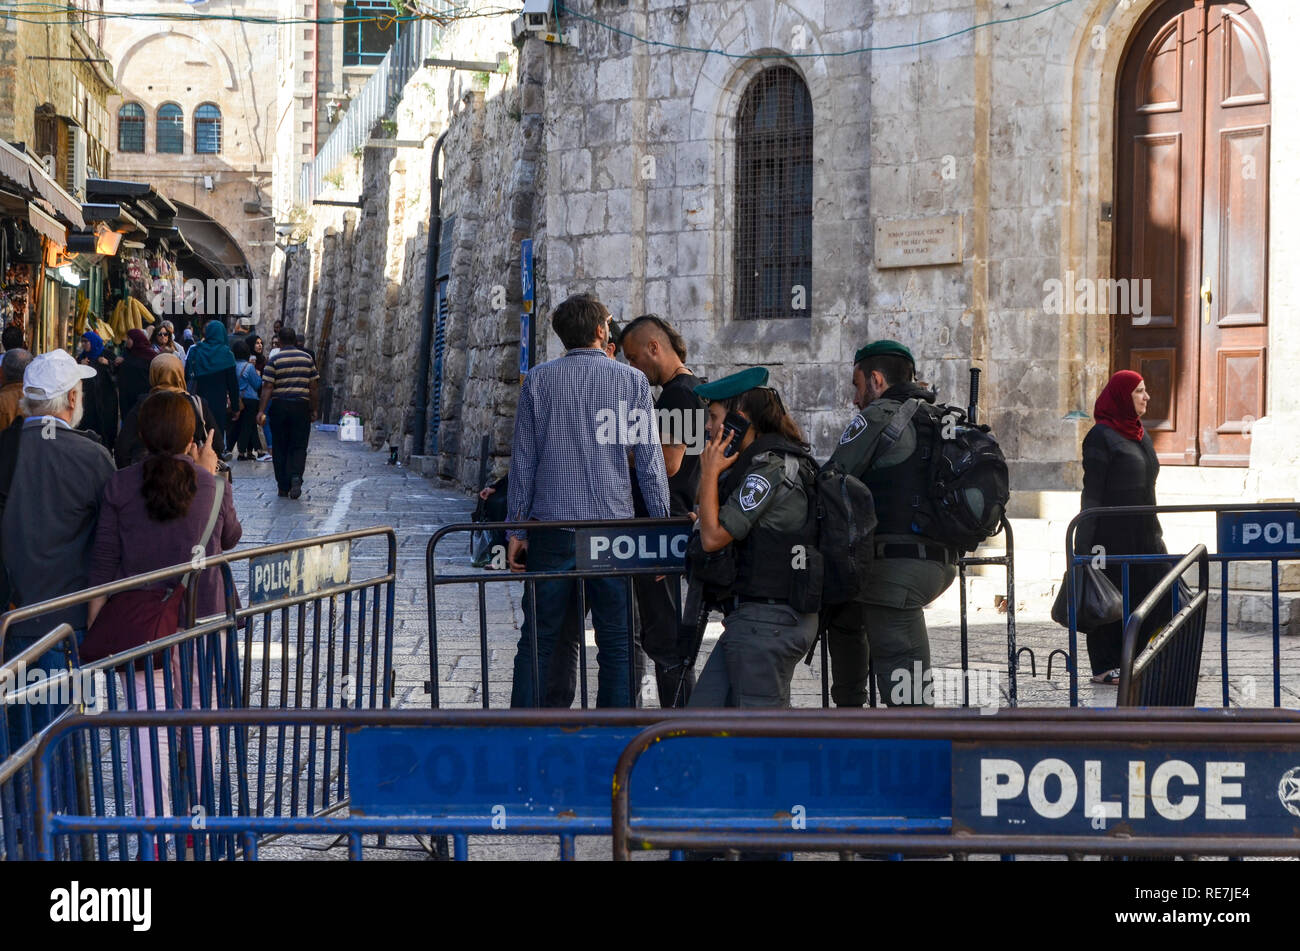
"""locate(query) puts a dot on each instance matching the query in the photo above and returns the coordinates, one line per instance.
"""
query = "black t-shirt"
(679, 394)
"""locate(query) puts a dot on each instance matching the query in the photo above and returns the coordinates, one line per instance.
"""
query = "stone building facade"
(54, 86)
(222, 172)
(1010, 139)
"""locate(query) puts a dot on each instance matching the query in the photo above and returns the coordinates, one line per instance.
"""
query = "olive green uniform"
(754, 660)
(888, 621)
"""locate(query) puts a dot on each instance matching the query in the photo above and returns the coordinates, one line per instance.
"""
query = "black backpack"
(968, 479)
(846, 525)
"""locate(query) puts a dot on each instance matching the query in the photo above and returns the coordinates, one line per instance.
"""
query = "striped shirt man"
(290, 373)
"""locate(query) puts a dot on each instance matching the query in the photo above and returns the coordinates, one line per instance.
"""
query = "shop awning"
(47, 225)
(26, 174)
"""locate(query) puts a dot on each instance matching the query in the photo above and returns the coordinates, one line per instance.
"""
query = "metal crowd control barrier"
(928, 782)
(329, 649)
(484, 577)
(946, 782)
(1168, 669)
(19, 695)
(1287, 548)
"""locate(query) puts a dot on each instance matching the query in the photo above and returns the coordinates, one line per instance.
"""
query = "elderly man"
(12, 368)
(563, 469)
(52, 504)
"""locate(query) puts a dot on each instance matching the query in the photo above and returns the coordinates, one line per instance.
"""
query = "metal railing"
(900, 781)
(376, 100)
(1167, 671)
(1127, 560)
(481, 579)
(330, 646)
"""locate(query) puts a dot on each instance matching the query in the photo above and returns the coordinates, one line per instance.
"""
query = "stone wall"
(358, 284)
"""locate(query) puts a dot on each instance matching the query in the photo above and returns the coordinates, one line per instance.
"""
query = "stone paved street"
(347, 486)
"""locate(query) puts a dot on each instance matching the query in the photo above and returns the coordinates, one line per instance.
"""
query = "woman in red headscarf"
(1120, 468)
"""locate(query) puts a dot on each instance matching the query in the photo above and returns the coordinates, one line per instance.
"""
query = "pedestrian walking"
(154, 514)
(250, 390)
(210, 373)
(165, 374)
(133, 370)
(50, 509)
(561, 469)
(12, 368)
(290, 402)
(1120, 468)
(101, 390)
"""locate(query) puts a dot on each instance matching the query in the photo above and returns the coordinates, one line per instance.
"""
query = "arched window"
(207, 129)
(130, 127)
(774, 170)
(171, 128)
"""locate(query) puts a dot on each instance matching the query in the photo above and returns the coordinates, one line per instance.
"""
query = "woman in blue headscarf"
(210, 373)
(99, 394)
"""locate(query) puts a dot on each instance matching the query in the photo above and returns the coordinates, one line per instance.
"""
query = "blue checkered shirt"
(559, 470)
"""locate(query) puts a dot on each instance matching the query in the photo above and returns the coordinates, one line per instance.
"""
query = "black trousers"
(246, 426)
(290, 429)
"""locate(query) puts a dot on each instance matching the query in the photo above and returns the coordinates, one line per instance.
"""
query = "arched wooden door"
(1191, 216)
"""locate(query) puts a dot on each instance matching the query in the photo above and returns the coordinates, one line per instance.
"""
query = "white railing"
(377, 100)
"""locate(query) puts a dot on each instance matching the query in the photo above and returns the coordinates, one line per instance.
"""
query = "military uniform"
(888, 621)
(764, 506)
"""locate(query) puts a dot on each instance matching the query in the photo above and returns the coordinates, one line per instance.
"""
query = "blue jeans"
(557, 606)
(20, 729)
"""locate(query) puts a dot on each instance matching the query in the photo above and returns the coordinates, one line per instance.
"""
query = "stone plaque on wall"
(916, 242)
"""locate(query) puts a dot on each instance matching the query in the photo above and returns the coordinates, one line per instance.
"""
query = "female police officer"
(759, 499)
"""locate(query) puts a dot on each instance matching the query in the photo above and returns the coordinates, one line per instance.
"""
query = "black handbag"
(1097, 601)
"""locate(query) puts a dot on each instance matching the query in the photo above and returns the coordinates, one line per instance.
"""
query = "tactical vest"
(900, 489)
(765, 558)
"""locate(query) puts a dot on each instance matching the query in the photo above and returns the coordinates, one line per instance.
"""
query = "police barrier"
(613, 548)
(1114, 782)
(1167, 671)
(624, 548)
(312, 637)
(1250, 532)
(1077, 782)
(24, 684)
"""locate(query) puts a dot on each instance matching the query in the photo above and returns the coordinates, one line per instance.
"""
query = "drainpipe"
(423, 362)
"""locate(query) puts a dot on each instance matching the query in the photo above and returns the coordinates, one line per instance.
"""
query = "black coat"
(100, 397)
(1122, 471)
(132, 382)
(130, 450)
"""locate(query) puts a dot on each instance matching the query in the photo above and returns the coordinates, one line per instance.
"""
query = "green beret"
(733, 385)
(883, 348)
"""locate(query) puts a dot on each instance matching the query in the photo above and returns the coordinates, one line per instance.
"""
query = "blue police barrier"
(1260, 532)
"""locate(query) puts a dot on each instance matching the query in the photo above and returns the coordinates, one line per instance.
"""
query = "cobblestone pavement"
(347, 486)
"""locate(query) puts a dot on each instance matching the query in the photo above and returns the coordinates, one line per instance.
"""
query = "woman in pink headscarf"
(1120, 468)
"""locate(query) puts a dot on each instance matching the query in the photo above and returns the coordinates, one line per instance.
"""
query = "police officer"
(757, 501)
(909, 570)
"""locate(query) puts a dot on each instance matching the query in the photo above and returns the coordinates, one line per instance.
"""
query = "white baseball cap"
(53, 374)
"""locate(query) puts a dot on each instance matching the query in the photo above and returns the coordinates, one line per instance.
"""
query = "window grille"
(773, 220)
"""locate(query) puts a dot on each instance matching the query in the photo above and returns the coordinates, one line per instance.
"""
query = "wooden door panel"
(1243, 242)
(1158, 367)
(1234, 235)
(1160, 86)
(1245, 73)
(1157, 224)
(1158, 207)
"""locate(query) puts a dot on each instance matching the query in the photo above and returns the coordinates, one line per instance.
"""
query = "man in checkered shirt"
(561, 470)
